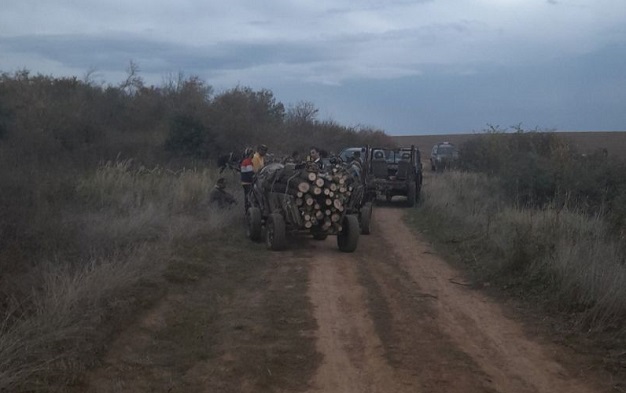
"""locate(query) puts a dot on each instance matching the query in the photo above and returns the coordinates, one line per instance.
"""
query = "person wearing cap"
(246, 171)
(219, 196)
(258, 160)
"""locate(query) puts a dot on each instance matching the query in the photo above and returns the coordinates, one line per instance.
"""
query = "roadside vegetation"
(100, 186)
(529, 214)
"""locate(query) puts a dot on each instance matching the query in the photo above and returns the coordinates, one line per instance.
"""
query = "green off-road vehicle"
(395, 171)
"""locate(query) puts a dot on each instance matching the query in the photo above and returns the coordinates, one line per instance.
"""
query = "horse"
(229, 161)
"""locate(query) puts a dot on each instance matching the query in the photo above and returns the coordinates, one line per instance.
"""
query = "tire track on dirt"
(389, 320)
(376, 328)
(477, 326)
(354, 359)
(242, 323)
(406, 321)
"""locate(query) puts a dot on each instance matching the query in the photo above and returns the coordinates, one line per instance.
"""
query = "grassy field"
(60, 312)
(614, 142)
(557, 265)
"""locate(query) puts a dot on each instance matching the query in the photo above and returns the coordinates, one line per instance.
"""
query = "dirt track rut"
(392, 317)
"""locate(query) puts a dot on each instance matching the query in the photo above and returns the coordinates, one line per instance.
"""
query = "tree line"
(53, 129)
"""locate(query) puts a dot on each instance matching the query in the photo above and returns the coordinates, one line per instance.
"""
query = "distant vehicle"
(347, 154)
(395, 171)
(444, 155)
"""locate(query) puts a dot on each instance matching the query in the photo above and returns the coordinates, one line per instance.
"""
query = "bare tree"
(302, 112)
(133, 81)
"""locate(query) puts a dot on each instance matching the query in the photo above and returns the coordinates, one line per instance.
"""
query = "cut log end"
(304, 187)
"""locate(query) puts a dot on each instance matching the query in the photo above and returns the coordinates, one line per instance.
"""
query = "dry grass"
(52, 337)
(568, 258)
(63, 312)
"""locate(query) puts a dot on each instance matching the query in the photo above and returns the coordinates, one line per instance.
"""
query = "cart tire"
(366, 218)
(320, 236)
(275, 232)
(348, 238)
(411, 195)
(254, 228)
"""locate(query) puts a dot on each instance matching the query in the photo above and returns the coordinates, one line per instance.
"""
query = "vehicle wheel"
(348, 238)
(254, 224)
(275, 233)
(411, 195)
(366, 218)
(320, 236)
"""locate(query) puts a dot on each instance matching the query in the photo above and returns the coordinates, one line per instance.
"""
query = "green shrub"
(564, 257)
(539, 169)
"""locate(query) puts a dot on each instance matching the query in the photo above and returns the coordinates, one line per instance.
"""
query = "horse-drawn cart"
(302, 199)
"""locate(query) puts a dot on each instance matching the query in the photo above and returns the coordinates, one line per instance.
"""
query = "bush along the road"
(566, 257)
(540, 169)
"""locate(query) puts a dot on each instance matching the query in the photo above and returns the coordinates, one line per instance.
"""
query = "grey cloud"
(568, 94)
(373, 5)
(109, 52)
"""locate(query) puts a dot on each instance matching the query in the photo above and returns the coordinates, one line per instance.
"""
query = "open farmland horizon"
(584, 141)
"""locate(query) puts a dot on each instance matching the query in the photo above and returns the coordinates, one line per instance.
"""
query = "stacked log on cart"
(321, 197)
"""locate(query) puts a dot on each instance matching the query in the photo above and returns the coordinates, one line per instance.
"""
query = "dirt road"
(391, 317)
(394, 317)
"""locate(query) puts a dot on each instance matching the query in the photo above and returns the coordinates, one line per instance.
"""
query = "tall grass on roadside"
(567, 257)
(128, 202)
(66, 319)
(64, 310)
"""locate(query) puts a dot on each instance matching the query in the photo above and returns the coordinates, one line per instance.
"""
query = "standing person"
(258, 160)
(247, 176)
(219, 196)
(315, 157)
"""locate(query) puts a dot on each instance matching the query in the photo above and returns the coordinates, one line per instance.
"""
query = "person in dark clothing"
(315, 157)
(247, 176)
(219, 196)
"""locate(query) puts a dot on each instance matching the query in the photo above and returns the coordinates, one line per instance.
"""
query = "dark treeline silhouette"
(102, 189)
(52, 129)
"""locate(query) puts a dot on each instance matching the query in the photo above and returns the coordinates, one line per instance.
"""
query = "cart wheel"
(275, 234)
(411, 195)
(320, 236)
(348, 238)
(254, 224)
(366, 218)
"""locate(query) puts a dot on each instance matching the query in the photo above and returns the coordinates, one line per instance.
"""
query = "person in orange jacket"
(258, 160)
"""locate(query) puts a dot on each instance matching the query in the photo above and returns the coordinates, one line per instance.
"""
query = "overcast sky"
(404, 66)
